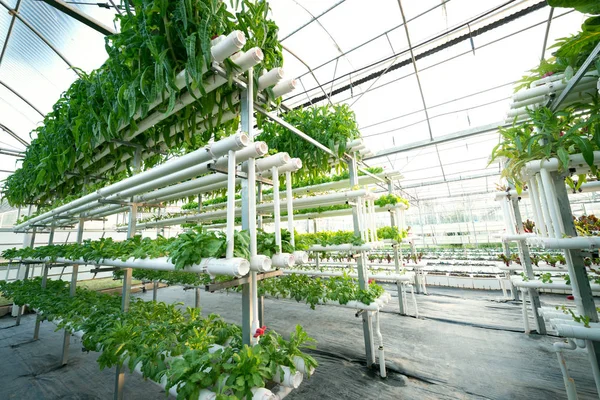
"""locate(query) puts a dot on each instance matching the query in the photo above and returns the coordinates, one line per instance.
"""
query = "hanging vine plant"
(332, 126)
(573, 129)
(158, 39)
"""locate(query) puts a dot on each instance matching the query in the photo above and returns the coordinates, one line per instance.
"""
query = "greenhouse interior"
(302, 199)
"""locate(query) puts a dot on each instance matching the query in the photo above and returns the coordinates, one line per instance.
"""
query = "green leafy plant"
(332, 126)
(158, 39)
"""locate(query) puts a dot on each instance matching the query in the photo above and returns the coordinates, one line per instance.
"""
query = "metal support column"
(36, 330)
(362, 272)
(197, 298)
(128, 272)
(397, 257)
(23, 272)
(72, 287)
(248, 212)
(582, 291)
(524, 255)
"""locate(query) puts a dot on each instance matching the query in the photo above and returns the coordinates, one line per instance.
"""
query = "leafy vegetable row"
(319, 290)
(167, 342)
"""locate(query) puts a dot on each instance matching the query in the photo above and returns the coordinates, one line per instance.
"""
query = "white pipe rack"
(378, 277)
(557, 284)
(345, 247)
(213, 266)
(580, 242)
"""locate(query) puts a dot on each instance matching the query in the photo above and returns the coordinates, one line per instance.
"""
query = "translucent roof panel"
(359, 55)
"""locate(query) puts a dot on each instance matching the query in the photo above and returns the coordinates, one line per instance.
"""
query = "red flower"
(260, 331)
(570, 297)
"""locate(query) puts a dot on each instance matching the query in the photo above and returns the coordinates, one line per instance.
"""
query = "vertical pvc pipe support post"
(569, 382)
(231, 178)
(46, 268)
(548, 186)
(290, 206)
(544, 206)
(276, 207)
(73, 286)
(381, 352)
(526, 327)
(535, 205)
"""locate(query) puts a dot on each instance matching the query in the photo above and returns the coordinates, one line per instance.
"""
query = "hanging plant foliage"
(158, 39)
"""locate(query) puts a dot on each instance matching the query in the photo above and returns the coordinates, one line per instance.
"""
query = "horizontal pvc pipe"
(561, 321)
(231, 266)
(300, 257)
(549, 88)
(292, 166)
(551, 78)
(261, 263)
(289, 379)
(234, 142)
(276, 160)
(517, 237)
(382, 277)
(572, 243)
(552, 164)
(282, 260)
(577, 93)
(578, 332)
(345, 247)
(284, 87)
(228, 46)
(270, 78)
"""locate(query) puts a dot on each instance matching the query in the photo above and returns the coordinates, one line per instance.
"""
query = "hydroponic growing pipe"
(217, 149)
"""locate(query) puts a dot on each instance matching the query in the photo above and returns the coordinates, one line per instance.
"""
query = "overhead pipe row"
(189, 160)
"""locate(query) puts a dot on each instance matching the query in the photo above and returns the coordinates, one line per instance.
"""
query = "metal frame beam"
(22, 98)
(80, 16)
(9, 32)
(11, 133)
(441, 139)
(15, 14)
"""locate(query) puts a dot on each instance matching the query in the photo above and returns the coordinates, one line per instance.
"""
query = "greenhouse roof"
(415, 73)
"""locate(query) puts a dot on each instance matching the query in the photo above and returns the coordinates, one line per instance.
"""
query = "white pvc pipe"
(300, 257)
(548, 186)
(377, 277)
(232, 266)
(267, 163)
(284, 87)
(290, 211)
(277, 209)
(231, 168)
(517, 237)
(539, 222)
(552, 164)
(228, 46)
(578, 332)
(589, 242)
(525, 313)
(282, 260)
(569, 382)
(549, 88)
(236, 142)
(261, 263)
(344, 247)
(270, 78)
(289, 379)
(544, 205)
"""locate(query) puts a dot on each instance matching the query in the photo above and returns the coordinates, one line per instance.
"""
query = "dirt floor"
(466, 344)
